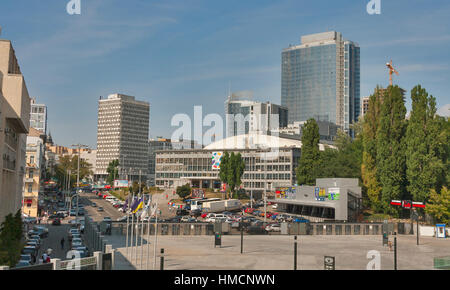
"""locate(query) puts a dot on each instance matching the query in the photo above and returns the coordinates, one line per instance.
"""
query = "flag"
(125, 206)
(139, 205)
(153, 210)
(134, 204)
(146, 209)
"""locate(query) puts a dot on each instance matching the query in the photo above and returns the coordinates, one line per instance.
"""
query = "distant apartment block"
(34, 170)
(364, 105)
(245, 116)
(14, 125)
(38, 116)
(122, 134)
(321, 79)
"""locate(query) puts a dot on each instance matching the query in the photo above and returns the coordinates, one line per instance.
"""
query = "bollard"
(242, 239)
(295, 253)
(162, 259)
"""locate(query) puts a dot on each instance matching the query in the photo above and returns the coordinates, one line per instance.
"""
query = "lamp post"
(79, 146)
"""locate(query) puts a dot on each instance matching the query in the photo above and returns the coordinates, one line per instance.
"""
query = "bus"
(196, 204)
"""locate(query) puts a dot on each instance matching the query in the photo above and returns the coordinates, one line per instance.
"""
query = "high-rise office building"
(255, 117)
(321, 79)
(38, 116)
(122, 134)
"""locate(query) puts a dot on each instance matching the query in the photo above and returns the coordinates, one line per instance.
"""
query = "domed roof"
(257, 141)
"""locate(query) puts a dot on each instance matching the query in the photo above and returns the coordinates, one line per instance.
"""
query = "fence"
(195, 229)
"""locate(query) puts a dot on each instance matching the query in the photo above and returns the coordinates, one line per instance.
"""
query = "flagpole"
(148, 233)
(128, 220)
(131, 236)
(156, 236)
(137, 232)
(142, 220)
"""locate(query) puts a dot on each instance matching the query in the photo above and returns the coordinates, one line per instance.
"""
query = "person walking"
(62, 243)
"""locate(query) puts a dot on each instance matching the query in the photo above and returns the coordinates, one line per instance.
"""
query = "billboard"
(285, 192)
(320, 194)
(120, 183)
(197, 193)
(333, 194)
(216, 158)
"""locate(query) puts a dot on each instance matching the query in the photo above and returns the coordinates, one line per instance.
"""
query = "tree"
(390, 160)
(232, 168)
(309, 163)
(184, 191)
(438, 205)
(112, 170)
(343, 162)
(10, 239)
(68, 162)
(371, 122)
(425, 167)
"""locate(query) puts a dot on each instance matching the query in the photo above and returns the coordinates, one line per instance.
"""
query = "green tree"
(231, 170)
(112, 170)
(68, 162)
(391, 148)
(184, 191)
(309, 163)
(10, 239)
(343, 162)
(425, 168)
(438, 205)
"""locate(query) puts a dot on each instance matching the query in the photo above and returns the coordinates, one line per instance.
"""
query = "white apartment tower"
(122, 134)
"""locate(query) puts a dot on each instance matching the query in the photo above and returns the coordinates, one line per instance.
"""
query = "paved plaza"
(276, 252)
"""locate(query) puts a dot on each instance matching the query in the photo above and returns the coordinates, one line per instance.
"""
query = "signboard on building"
(198, 193)
(216, 159)
(320, 194)
(285, 192)
(120, 183)
(333, 194)
(329, 263)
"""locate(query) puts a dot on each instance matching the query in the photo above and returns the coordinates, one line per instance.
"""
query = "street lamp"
(79, 146)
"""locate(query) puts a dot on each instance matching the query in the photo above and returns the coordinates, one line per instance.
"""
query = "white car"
(275, 206)
(273, 228)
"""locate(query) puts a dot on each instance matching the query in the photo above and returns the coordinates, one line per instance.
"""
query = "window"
(30, 188)
(30, 173)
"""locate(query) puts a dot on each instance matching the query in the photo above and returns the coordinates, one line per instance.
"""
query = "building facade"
(38, 116)
(195, 167)
(153, 146)
(14, 125)
(34, 172)
(364, 105)
(244, 116)
(321, 79)
(122, 134)
(331, 199)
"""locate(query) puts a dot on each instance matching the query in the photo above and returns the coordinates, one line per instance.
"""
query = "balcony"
(29, 180)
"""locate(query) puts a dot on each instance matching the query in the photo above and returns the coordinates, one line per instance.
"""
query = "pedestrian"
(44, 258)
(62, 243)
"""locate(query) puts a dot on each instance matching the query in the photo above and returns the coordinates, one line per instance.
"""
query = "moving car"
(100, 209)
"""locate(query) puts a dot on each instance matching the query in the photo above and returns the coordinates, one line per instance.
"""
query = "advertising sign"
(216, 158)
(197, 193)
(120, 183)
(320, 194)
(333, 194)
(285, 192)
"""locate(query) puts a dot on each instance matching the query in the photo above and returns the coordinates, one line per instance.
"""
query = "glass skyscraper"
(321, 79)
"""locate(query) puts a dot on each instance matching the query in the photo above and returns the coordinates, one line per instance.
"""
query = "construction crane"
(391, 71)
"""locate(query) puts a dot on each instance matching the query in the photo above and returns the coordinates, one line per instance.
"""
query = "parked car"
(30, 220)
(107, 219)
(26, 257)
(100, 208)
(273, 228)
(275, 206)
(22, 263)
(33, 244)
(93, 204)
(256, 229)
(56, 222)
(82, 251)
(196, 213)
(30, 250)
(182, 212)
(300, 220)
(41, 230)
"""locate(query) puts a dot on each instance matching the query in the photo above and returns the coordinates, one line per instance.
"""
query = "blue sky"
(177, 54)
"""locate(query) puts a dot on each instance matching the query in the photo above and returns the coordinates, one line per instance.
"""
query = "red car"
(204, 215)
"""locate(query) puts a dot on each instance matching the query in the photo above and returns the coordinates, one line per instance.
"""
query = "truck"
(221, 205)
